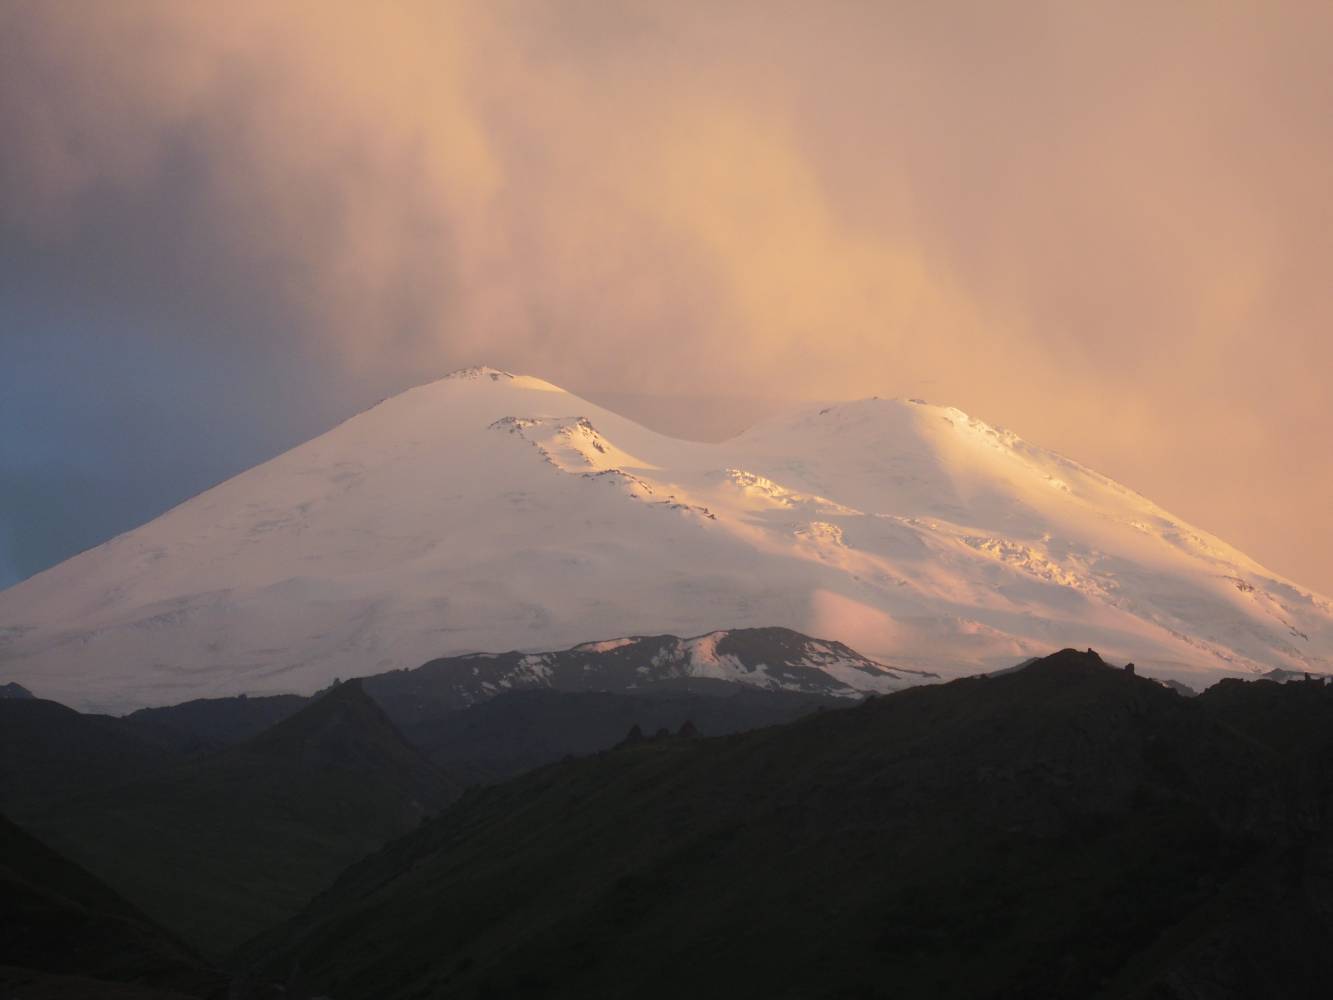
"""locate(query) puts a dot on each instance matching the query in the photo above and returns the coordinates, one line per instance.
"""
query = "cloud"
(1104, 224)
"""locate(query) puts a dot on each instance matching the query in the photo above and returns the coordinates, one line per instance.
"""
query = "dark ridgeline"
(497, 738)
(222, 816)
(1066, 830)
(491, 716)
(1061, 830)
(775, 658)
(50, 753)
(220, 846)
(522, 730)
(65, 934)
(214, 723)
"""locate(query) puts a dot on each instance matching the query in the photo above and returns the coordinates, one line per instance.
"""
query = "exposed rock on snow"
(491, 511)
(774, 659)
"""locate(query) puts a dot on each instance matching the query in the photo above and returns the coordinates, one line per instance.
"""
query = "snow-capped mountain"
(488, 511)
(721, 661)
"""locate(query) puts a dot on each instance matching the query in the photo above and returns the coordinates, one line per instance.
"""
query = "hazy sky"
(1107, 226)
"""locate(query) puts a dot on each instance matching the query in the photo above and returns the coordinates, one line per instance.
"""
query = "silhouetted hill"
(512, 732)
(1291, 718)
(1066, 830)
(521, 730)
(769, 668)
(61, 930)
(214, 723)
(49, 752)
(721, 662)
(14, 691)
(345, 731)
(224, 845)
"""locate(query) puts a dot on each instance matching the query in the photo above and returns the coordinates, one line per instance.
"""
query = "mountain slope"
(1068, 829)
(721, 662)
(207, 724)
(56, 920)
(521, 730)
(490, 511)
(223, 845)
(730, 680)
(49, 752)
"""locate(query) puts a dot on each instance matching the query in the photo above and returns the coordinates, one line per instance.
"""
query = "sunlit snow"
(487, 511)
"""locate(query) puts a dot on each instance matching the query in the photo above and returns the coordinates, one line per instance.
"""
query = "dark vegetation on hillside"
(12, 690)
(219, 824)
(1065, 830)
(1069, 830)
(215, 723)
(64, 933)
(523, 730)
(219, 847)
(491, 716)
(50, 753)
(505, 735)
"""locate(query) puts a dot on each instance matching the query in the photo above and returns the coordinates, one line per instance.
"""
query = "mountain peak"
(723, 661)
(879, 416)
(342, 726)
(1073, 663)
(490, 510)
(15, 691)
(477, 372)
(486, 375)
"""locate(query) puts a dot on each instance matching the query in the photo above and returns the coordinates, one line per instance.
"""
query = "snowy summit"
(490, 511)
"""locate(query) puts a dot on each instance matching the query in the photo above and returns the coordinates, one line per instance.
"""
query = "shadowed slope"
(223, 846)
(1061, 830)
(492, 716)
(57, 921)
(214, 723)
(520, 730)
(49, 752)
(720, 662)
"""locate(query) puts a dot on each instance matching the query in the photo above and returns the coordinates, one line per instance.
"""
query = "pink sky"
(1104, 225)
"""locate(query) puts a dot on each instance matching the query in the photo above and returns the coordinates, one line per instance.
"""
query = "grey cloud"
(1105, 225)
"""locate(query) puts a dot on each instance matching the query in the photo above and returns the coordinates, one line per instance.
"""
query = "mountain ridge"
(771, 658)
(57, 921)
(488, 510)
(943, 840)
(219, 845)
(731, 662)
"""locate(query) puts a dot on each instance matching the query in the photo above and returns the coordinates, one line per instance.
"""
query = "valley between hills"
(488, 692)
(1064, 828)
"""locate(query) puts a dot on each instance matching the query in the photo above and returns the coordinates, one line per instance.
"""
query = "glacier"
(487, 511)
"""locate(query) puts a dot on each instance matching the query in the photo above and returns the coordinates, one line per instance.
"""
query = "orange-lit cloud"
(1106, 225)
